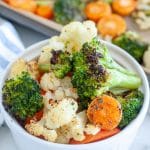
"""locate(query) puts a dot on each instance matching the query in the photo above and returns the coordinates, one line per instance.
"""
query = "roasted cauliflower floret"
(66, 82)
(47, 97)
(77, 126)
(60, 113)
(71, 92)
(146, 58)
(74, 129)
(91, 129)
(54, 44)
(37, 129)
(75, 34)
(49, 82)
(18, 67)
(59, 94)
(32, 67)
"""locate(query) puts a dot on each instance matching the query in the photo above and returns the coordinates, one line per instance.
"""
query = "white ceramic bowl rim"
(140, 116)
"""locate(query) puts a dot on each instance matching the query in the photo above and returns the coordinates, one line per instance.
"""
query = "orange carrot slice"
(112, 25)
(124, 7)
(45, 11)
(36, 117)
(105, 111)
(28, 5)
(99, 136)
(96, 10)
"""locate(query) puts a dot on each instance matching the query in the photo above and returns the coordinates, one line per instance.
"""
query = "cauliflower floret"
(47, 97)
(49, 82)
(64, 135)
(33, 70)
(71, 92)
(54, 43)
(77, 126)
(91, 129)
(60, 113)
(45, 56)
(18, 67)
(146, 58)
(66, 82)
(75, 129)
(59, 94)
(75, 34)
(37, 129)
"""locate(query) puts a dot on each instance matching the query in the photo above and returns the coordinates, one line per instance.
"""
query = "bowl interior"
(118, 54)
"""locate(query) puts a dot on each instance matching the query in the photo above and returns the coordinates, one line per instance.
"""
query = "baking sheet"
(29, 19)
(44, 25)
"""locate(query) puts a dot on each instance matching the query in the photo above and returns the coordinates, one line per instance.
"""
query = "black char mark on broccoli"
(95, 72)
(88, 73)
(60, 63)
(22, 97)
(92, 56)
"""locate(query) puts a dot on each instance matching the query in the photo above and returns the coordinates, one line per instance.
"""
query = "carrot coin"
(44, 11)
(96, 10)
(105, 111)
(124, 7)
(99, 136)
(112, 25)
(28, 5)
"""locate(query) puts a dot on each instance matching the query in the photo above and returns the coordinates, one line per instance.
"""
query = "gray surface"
(25, 21)
(29, 36)
(6, 143)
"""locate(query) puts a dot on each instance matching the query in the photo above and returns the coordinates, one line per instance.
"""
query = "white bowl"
(120, 141)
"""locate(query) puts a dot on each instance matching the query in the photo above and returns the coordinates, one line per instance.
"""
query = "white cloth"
(10, 47)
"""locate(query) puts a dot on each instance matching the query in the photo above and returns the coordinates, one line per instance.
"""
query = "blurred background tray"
(49, 27)
(28, 19)
(44, 26)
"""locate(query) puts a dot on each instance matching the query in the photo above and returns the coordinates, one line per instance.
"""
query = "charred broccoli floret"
(68, 10)
(22, 96)
(131, 104)
(130, 42)
(95, 72)
(60, 64)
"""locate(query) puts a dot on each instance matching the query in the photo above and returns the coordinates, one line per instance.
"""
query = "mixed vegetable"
(142, 14)
(131, 42)
(109, 16)
(74, 92)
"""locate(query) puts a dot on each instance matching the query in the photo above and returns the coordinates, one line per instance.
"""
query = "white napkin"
(10, 47)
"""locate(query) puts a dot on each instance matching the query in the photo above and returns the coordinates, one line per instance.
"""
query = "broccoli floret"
(68, 10)
(22, 96)
(131, 104)
(130, 42)
(60, 64)
(95, 72)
